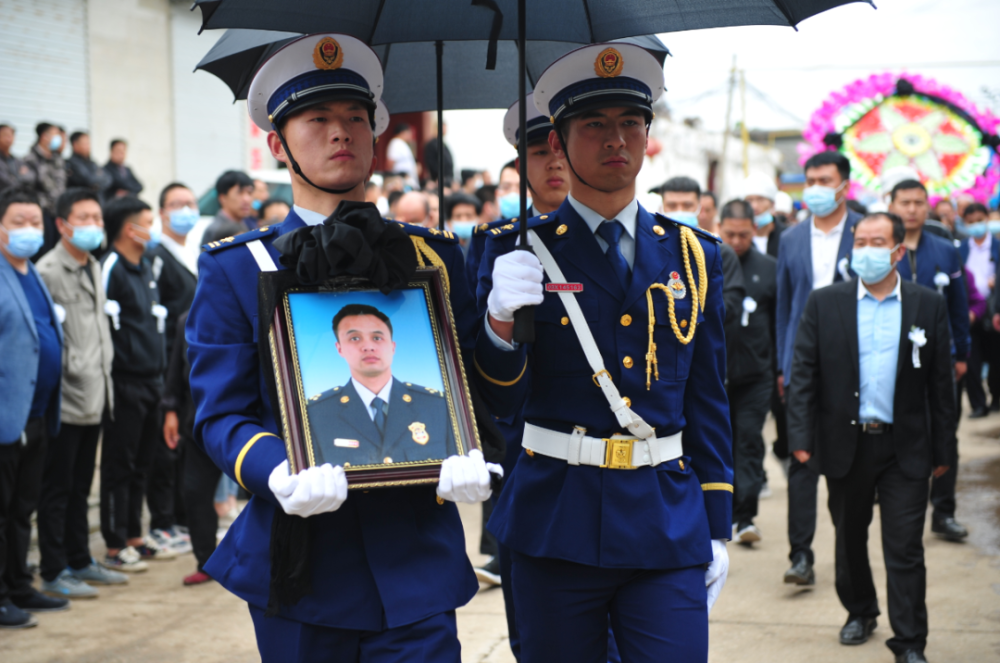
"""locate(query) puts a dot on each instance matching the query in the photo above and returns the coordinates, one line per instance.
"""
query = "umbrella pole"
(439, 48)
(524, 318)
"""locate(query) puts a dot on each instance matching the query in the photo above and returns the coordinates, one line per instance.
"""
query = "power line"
(957, 64)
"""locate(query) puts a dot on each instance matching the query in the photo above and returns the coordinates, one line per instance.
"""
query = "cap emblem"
(328, 54)
(609, 63)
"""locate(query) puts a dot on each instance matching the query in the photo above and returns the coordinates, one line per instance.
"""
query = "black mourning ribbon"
(354, 241)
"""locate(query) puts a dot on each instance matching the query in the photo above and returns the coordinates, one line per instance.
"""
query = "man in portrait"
(376, 418)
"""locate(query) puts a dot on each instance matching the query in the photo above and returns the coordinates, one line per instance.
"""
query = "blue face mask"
(764, 219)
(510, 206)
(55, 144)
(183, 220)
(993, 226)
(87, 238)
(463, 229)
(256, 205)
(24, 242)
(154, 237)
(976, 230)
(687, 218)
(872, 263)
(821, 200)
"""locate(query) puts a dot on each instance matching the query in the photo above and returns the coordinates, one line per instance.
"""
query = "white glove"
(517, 282)
(466, 478)
(313, 490)
(715, 576)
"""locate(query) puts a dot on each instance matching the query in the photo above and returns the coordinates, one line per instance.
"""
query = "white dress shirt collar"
(367, 395)
(628, 217)
(836, 230)
(310, 217)
(897, 292)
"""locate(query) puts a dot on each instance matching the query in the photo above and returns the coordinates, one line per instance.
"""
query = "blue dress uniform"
(389, 566)
(589, 540)
(417, 426)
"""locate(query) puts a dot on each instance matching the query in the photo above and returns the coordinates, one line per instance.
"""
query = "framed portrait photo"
(370, 381)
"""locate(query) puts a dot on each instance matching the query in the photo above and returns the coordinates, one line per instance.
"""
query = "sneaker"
(168, 539)
(127, 560)
(96, 574)
(150, 549)
(489, 572)
(13, 617)
(747, 534)
(68, 586)
(197, 578)
(38, 602)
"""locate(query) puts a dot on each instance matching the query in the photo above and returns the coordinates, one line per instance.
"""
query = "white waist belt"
(618, 453)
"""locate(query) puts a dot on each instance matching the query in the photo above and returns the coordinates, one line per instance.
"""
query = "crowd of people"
(98, 285)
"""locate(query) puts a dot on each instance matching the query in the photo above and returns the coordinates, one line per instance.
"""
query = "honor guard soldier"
(389, 566)
(621, 500)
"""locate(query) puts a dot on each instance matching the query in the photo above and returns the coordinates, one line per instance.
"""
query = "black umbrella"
(575, 21)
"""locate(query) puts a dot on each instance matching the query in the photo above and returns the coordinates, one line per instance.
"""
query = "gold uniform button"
(658, 230)
(543, 217)
(626, 320)
(387, 460)
(628, 401)
(564, 320)
(561, 230)
(529, 452)
(684, 323)
(407, 398)
(344, 399)
(627, 362)
(681, 464)
(440, 500)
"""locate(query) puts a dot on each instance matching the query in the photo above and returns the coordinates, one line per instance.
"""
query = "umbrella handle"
(524, 317)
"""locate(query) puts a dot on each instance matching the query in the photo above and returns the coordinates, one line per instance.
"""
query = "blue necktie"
(379, 407)
(611, 232)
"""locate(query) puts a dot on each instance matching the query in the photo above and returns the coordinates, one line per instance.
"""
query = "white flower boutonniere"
(749, 306)
(918, 337)
(941, 280)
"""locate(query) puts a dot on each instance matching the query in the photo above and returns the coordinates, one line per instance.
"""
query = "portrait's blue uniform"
(649, 518)
(417, 426)
(936, 255)
(387, 558)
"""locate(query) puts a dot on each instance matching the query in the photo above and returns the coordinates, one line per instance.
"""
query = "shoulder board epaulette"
(242, 238)
(427, 233)
(514, 225)
(483, 227)
(712, 237)
(418, 390)
(323, 396)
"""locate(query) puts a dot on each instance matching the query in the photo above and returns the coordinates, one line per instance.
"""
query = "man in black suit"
(375, 418)
(750, 351)
(871, 407)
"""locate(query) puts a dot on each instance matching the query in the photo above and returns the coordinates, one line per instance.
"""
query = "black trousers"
(21, 468)
(748, 406)
(780, 424)
(943, 487)
(487, 542)
(201, 477)
(980, 352)
(129, 444)
(802, 487)
(165, 490)
(63, 531)
(903, 505)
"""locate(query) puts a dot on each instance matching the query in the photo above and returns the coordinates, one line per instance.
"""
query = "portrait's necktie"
(611, 232)
(380, 409)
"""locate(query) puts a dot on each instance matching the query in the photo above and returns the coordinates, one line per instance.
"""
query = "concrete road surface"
(757, 619)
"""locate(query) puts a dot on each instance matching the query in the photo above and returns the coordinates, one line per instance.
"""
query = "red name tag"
(563, 287)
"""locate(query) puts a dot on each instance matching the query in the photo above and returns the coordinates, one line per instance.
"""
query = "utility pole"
(744, 132)
(725, 132)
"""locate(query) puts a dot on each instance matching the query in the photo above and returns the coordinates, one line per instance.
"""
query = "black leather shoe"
(38, 602)
(13, 617)
(979, 413)
(948, 529)
(801, 572)
(911, 656)
(857, 630)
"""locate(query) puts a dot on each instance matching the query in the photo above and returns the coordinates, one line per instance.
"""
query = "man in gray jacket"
(73, 277)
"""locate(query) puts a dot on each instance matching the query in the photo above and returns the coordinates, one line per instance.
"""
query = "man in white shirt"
(399, 155)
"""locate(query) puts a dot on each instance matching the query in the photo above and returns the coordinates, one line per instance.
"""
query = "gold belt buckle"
(618, 454)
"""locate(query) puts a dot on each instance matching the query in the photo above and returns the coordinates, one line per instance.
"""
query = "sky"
(323, 368)
(953, 41)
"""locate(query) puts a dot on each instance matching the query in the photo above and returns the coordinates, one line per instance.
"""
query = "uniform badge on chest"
(676, 286)
(419, 431)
